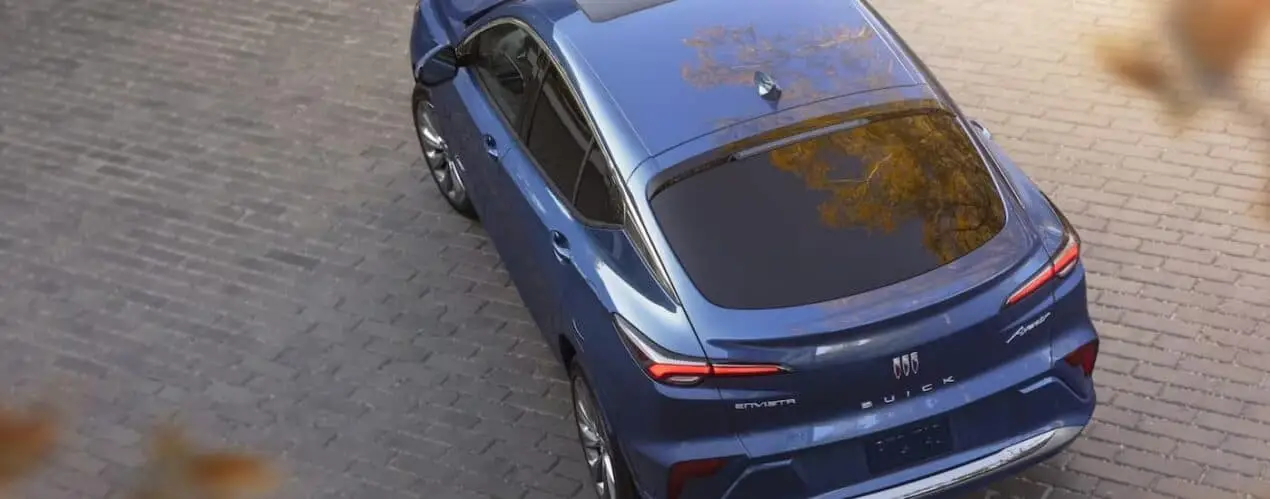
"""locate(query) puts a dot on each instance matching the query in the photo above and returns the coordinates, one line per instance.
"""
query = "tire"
(440, 161)
(611, 480)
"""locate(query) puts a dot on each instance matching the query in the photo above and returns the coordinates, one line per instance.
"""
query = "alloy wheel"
(443, 166)
(596, 448)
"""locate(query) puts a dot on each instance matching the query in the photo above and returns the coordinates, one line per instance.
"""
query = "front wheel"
(442, 164)
(607, 472)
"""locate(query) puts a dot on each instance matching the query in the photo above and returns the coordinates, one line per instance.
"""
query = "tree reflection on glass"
(915, 167)
(912, 162)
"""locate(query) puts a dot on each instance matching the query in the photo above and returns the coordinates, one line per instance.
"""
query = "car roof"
(461, 9)
(675, 70)
(606, 10)
(594, 10)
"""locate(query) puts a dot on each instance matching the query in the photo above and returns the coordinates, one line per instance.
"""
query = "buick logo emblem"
(905, 365)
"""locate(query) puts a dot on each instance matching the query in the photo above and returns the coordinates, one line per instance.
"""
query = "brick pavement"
(218, 208)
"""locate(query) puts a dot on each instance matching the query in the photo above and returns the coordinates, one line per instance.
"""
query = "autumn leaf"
(27, 438)
(30, 436)
(179, 469)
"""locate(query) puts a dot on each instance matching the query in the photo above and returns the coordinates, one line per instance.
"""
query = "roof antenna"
(767, 87)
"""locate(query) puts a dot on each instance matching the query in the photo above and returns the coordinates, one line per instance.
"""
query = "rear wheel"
(608, 476)
(443, 165)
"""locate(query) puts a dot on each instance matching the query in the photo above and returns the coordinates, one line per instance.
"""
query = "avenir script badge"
(1027, 328)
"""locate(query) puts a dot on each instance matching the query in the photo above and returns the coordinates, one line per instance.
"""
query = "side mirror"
(982, 129)
(438, 66)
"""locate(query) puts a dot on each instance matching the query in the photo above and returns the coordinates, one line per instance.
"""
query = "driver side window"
(506, 60)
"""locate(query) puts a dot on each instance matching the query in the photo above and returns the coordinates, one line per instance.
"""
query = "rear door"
(579, 222)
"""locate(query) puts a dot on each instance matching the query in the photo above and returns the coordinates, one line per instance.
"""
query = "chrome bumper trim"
(1039, 444)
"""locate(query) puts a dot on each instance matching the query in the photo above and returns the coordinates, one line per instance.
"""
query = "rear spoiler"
(785, 135)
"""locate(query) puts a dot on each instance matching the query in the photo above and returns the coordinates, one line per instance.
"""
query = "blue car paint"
(804, 450)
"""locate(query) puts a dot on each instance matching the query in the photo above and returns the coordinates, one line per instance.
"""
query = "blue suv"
(774, 256)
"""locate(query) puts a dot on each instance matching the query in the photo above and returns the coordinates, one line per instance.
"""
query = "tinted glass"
(832, 216)
(558, 136)
(507, 59)
(595, 197)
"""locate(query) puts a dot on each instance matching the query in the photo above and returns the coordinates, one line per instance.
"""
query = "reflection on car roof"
(606, 10)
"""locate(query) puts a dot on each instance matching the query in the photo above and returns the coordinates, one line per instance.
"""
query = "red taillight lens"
(677, 374)
(680, 473)
(725, 370)
(670, 369)
(1063, 263)
(691, 374)
(1084, 357)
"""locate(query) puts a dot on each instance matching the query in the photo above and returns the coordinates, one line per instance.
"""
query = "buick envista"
(773, 255)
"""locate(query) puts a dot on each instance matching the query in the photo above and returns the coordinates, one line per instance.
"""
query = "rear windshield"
(832, 216)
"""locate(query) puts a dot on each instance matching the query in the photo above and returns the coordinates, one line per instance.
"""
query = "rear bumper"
(999, 436)
(1014, 457)
(999, 463)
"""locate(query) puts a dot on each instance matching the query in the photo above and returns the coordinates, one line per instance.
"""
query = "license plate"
(909, 445)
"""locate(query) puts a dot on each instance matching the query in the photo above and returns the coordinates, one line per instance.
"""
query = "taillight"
(671, 369)
(1060, 266)
(681, 472)
(1084, 357)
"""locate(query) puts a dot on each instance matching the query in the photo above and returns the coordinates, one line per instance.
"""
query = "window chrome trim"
(634, 220)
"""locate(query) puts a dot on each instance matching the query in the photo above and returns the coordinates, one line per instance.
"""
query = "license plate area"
(909, 445)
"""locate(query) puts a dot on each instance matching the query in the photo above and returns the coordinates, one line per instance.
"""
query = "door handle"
(560, 246)
(491, 146)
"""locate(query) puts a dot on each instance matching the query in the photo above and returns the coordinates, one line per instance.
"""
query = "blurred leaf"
(179, 469)
(27, 438)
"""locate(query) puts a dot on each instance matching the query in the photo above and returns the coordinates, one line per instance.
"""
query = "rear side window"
(564, 147)
(594, 195)
(834, 215)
